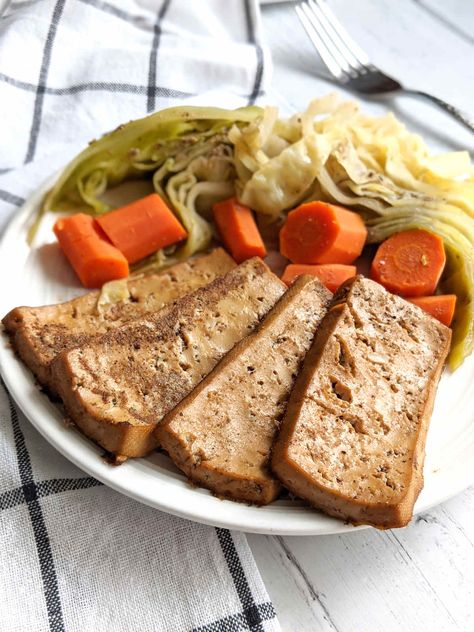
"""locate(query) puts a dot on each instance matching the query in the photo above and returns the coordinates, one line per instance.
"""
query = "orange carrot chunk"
(441, 306)
(238, 230)
(317, 232)
(94, 259)
(409, 263)
(142, 227)
(331, 275)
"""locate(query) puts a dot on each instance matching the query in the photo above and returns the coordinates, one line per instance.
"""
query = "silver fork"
(349, 64)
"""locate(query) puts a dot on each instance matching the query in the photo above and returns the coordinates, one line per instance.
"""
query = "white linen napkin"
(75, 555)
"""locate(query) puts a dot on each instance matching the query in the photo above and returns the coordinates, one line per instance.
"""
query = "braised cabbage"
(196, 156)
(184, 150)
(373, 164)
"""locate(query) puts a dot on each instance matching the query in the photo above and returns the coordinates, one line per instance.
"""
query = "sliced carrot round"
(142, 227)
(94, 259)
(317, 232)
(440, 307)
(409, 263)
(238, 230)
(331, 275)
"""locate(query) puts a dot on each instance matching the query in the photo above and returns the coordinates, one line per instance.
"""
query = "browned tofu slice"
(353, 438)
(119, 386)
(221, 434)
(39, 334)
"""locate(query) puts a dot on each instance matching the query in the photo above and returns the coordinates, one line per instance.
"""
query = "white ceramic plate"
(40, 275)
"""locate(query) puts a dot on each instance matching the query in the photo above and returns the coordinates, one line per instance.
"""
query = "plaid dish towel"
(75, 555)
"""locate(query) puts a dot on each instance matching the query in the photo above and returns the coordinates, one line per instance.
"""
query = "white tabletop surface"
(421, 577)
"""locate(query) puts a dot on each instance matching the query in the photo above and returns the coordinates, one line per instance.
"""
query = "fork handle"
(457, 114)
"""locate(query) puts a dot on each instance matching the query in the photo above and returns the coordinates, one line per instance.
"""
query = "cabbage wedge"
(184, 151)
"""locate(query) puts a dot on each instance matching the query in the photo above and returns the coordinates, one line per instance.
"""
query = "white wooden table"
(420, 578)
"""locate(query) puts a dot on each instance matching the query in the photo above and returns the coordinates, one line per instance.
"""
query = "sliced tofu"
(118, 386)
(352, 441)
(221, 434)
(39, 334)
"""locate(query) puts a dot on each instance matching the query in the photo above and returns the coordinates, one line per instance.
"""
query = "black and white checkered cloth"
(75, 555)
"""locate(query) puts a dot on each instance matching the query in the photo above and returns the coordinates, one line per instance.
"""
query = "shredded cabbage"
(375, 165)
(111, 293)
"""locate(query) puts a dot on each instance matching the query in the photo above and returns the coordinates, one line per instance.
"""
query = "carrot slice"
(238, 230)
(441, 306)
(94, 259)
(142, 227)
(317, 232)
(331, 275)
(409, 263)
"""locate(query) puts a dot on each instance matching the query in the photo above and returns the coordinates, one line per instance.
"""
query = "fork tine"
(307, 20)
(353, 53)
(312, 13)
